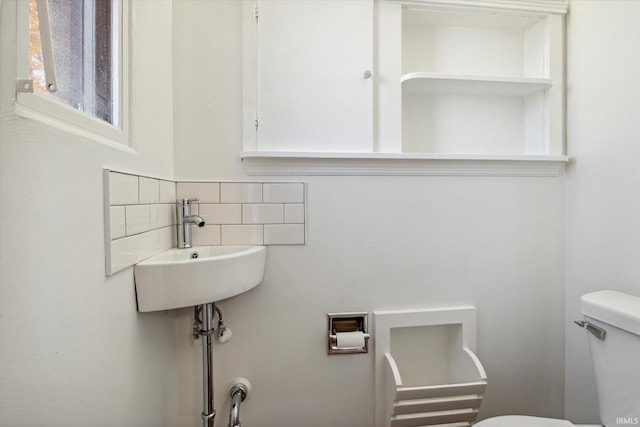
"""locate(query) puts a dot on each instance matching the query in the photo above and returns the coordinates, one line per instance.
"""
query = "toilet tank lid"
(614, 308)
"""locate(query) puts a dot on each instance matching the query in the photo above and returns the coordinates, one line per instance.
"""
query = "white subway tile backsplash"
(168, 192)
(117, 222)
(173, 215)
(225, 213)
(124, 253)
(262, 214)
(207, 235)
(154, 217)
(123, 189)
(205, 192)
(160, 215)
(149, 190)
(130, 250)
(242, 235)
(138, 219)
(240, 192)
(283, 192)
(294, 213)
(157, 241)
(284, 234)
(140, 214)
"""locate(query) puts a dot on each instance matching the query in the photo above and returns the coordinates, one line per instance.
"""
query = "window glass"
(84, 37)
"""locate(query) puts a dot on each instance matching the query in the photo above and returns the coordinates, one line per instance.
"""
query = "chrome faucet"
(185, 219)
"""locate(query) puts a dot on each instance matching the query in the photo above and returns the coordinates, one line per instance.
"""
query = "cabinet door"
(312, 92)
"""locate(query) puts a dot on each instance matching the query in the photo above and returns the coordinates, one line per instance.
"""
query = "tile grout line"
(143, 232)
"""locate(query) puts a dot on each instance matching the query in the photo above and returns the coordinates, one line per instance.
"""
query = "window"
(81, 84)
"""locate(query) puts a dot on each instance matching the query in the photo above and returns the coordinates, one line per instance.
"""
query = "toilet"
(612, 324)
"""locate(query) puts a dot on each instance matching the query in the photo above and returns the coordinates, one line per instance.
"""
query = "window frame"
(57, 114)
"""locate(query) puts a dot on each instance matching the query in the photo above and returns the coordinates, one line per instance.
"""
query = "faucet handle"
(185, 202)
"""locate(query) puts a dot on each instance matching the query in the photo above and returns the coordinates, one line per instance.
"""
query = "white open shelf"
(473, 79)
(435, 83)
(479, 83)
(454, 399)
(426, 371)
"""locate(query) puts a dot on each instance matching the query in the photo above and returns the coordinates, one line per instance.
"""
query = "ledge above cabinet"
(406, 164)
(435, 83)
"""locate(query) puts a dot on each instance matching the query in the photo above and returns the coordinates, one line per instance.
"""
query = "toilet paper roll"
(350, 339)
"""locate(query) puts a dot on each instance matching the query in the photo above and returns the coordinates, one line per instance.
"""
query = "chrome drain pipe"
(238, 392)
(209, 413)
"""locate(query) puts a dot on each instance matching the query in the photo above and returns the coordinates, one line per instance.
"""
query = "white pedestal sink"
(199, 275)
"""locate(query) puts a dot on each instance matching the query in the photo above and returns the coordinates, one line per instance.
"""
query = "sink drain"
(194, 255)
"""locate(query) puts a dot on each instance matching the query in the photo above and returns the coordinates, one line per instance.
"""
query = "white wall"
(373, 243)
(603, 182)
(207, 69)
(389, 243)
(74, 350)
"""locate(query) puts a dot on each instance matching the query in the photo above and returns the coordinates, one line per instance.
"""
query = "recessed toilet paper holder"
(348, 333)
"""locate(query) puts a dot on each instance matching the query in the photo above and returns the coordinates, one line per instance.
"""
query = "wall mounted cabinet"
(310, 62)
(425, 78)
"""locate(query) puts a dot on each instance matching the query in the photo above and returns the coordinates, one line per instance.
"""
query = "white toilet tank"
(616, 358)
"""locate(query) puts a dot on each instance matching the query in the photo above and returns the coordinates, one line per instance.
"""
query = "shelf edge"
(560, 7)
(479, 78)
(399, 164)
(435, 83)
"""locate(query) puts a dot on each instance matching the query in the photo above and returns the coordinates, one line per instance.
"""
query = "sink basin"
(199, 275)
